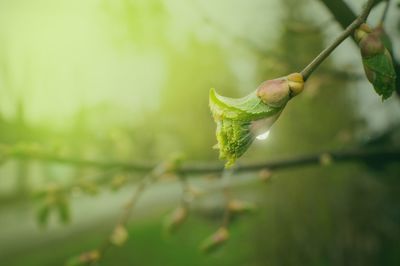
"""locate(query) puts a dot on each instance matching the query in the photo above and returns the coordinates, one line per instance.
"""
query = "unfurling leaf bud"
(119, 235)
(239, 121)
(377, 61)
(215, 240)
(276, 92)
(176, 218)
(54, 198)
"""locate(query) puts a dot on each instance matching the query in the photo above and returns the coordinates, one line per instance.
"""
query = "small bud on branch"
(377, 61)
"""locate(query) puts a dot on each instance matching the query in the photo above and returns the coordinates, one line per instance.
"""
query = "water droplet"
(263, 136)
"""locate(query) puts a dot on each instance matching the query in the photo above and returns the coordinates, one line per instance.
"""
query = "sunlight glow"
(263, 136)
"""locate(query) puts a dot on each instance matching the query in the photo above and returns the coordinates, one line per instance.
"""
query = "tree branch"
(344, 15)
(310, 68)
(125, 215)
(342, 12)
(351, 155)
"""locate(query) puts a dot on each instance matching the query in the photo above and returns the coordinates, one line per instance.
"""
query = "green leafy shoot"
(240, 121)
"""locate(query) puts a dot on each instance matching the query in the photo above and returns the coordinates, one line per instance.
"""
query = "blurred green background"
(128, 80)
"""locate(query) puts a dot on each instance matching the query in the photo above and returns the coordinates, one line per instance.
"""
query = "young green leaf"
(43, 215)
(377, 61)
(240, 121)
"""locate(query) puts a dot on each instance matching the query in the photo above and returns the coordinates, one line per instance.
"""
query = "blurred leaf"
(40, 194)
(43, 215)
(52, 198)
(63, 211)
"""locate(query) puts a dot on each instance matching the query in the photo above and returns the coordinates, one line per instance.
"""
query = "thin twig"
(344, 15)
(310, 68)
(129, 207)
(226, 183)
(124, 218)
(186, 197)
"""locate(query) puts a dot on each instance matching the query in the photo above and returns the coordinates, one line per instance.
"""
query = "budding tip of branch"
(274, 92)
(362, 32)
(296, 83)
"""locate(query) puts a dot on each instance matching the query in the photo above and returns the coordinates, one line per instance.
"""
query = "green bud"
(377, 61)
(43, 215)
